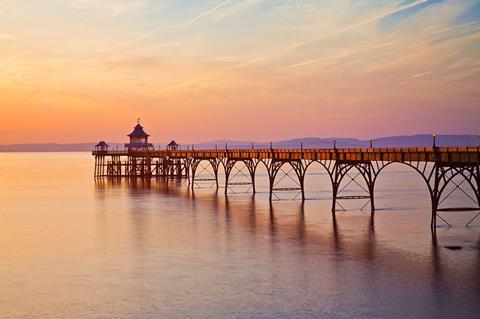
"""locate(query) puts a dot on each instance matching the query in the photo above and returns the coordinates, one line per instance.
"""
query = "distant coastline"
(308, 142)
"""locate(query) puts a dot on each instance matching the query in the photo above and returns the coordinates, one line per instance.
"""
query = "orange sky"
(84, 70)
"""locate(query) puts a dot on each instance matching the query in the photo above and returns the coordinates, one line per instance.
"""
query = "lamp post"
(371, 143)
(301, 144)
(434, 136)
(271, 146)
(334, 143)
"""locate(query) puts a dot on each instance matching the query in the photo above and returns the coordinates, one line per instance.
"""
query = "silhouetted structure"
(101, 147)
(438, 166)
(172, 146)
(138, 139)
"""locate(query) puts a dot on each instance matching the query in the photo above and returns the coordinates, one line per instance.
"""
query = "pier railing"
(457, 167)
(461, 154)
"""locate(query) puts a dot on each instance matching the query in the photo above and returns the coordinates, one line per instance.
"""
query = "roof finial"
(138, 120)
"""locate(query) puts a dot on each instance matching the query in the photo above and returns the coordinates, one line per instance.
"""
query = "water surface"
(73, 247)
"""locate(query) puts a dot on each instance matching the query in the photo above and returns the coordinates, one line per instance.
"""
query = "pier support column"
(250, 165)
(366, 173)
(275, 167)
(193, 166)
(96, 167)
(435, 196)
(455, 177)
(228, 168)
(214, 163)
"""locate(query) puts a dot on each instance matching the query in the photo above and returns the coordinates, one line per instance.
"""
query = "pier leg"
(435, 195)
(215, 163)
(252, 175)
(251, 166)
(296, 165)
(372, 200)
(216, 177)
(365, 171)
(95, 170)
(271, 179)
(194, 166)
(272, 172)
(302, 186)
(334, 197)
(228, 168)
(336, 178)
(369, 176)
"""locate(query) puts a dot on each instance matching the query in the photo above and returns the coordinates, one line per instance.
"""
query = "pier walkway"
(438, 166)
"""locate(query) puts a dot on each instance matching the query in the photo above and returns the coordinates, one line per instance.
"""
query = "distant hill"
(391, 141)
(52, 147)
(309, 142)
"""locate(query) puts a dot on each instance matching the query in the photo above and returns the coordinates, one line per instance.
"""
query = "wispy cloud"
(199, 57)
(235, 8)
(336, 56)
(381, 55)
(463, 74)
(204, 14)
(313, 61)
(419, 75)
(112, 7)
(363, 22)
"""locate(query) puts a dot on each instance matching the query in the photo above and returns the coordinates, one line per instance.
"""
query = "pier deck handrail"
(460, 154)
(438, 167)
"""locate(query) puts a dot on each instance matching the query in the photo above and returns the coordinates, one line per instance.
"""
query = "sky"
(201, 70)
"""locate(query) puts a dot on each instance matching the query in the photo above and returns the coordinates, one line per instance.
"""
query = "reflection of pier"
(445, 170)
(346, 254)
(350, 240)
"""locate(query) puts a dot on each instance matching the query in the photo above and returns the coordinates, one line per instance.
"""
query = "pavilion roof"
(138, 132)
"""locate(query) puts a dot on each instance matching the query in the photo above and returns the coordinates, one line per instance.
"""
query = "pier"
(439, 167)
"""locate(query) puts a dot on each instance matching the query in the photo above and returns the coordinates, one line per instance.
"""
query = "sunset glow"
(80, 70)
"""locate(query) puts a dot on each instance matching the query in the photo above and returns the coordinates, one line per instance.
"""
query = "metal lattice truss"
(448, 180)
(450, 173)
(207, 178)
(287, 176)
(281, 171)
(349, 174)
(240, 176)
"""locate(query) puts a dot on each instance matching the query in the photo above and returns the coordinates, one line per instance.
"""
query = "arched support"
(195, 164)
(438, 176)
(365, 170)
(444, 174)
(275, 166)
(251, 166)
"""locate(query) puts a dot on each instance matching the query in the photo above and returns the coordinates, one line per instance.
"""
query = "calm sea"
(73, 247)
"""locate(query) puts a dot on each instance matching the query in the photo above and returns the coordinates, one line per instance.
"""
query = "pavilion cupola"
(138, 138)
(172, 146)
(101, 147)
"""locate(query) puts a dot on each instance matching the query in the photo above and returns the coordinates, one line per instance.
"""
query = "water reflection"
(242, 211)
(75, 248)
(228, 227)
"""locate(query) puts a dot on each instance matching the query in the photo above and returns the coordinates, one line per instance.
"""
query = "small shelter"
(172, 146)
(101, 147)
(138, 139)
